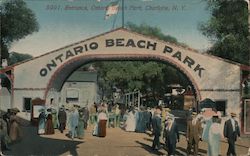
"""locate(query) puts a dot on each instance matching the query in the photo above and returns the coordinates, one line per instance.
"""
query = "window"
(72, 95)
(246, 88)
(27, 104)
(221, 106)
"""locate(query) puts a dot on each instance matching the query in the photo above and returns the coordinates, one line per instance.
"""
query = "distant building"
(80, 88)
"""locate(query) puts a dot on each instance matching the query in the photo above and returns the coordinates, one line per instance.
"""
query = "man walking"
(156, 124)
(171, 134)
(62, 118)
(74, 121)
(86, 116)
(194, 132)
(231, 131)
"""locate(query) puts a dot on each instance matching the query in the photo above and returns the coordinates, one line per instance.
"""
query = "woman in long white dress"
(214, 136)
(130, 122)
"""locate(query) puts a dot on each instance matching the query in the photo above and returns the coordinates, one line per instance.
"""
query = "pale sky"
(63, 22)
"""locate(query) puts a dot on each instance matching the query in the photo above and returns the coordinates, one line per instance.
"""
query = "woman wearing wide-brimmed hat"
(15, 132)
(214, 136)
(49, 128)
(4, 137)
(41, 121)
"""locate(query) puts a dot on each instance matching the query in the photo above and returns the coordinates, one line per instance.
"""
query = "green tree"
(156, 32)
(151, 78)
(228, 30)
(17, 57)
(17, 21)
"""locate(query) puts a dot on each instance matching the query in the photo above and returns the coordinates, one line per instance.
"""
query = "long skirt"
(80, 130)
(54, 120)
(102, 128)
(15, 133)
(49, 129)
(41, 127)
(130, 124)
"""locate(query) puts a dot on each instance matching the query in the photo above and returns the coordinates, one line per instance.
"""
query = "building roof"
(127, 30)
(82, 76)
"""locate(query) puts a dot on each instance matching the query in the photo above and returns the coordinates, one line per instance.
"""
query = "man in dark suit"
(62, 119)
(194, 132)
(231, 131)
(171, 134)
(156, 124)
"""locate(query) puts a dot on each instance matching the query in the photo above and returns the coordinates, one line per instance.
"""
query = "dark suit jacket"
(156, 125)
(172, 135)
(228, 130)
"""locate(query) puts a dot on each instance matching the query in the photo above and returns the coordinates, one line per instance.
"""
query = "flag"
(112, 9)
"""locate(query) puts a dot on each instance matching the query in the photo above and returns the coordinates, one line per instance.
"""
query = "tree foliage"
(17, 57)
(17, 21)
(228, 30)
(150, 77)
(147, 30)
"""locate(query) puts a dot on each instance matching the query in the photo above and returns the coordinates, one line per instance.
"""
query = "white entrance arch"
(212, 77)
(62, 73)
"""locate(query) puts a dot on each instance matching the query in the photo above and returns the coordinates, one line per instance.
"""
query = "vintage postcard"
(125, 77)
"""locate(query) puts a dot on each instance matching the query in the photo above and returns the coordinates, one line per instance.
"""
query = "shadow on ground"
(33, 144)
(149, 148)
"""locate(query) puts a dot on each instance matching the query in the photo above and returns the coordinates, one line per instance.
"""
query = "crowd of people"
(137, 120)
(74, 118)
(10, 131)
(158, 120)
(199, 128)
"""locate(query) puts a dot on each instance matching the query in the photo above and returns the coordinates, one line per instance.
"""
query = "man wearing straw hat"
(156, 125)
(194, 132)
(231, 131)
(171, 134)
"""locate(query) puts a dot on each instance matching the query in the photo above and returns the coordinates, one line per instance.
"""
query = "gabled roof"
(129, 31)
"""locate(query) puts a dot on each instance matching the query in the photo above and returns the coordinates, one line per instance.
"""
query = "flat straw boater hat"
(233, 114)
(194, 113)
(167, 109)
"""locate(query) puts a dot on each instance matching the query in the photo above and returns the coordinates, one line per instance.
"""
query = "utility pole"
(122, 13)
